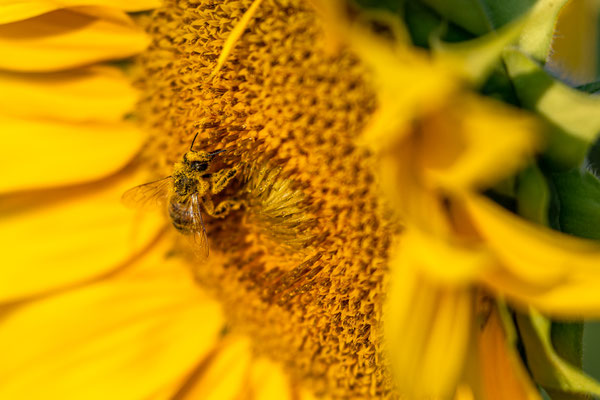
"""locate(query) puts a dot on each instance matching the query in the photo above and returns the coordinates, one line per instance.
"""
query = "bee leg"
(220, 180)
(222, 209)
(209, 206)
(226, 206)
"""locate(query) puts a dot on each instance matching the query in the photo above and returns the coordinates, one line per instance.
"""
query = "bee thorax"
(184, 185)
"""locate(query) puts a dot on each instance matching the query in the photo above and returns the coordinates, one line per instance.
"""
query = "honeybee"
(186, 192)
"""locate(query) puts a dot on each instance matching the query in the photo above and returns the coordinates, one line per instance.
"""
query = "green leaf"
(557, 376)
(579, 195)
(533, 195)
(422, 23)
(504, 11)
(389, 5)
(574, 116)
(591, 344)
(500, 87)
(592, 160)
(483, 16)
(576, 112)
(480, 16)
(567, 339)
(468, 14)
(593, 87)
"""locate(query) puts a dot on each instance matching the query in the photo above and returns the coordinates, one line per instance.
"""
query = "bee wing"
(149, 195)
(199, 232)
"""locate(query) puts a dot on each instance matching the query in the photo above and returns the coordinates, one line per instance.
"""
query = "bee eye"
(199, 166)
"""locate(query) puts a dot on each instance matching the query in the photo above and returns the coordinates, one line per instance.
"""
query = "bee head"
(198, 161)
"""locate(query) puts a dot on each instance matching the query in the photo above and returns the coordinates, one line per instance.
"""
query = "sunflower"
(101, 301)
(94, 304)
(106, 300)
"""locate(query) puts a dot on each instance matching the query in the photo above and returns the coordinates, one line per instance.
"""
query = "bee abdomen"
(181, 216)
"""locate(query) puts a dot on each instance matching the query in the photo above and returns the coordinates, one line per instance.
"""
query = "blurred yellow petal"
(408, 85)
(444, 260)
(110, 14)
(69, 236)
(234, 372)
(166, 392)
(41, 154)
(474, 143)
(427, 327)
(308, 395)
(223, 376)
(574, 296)
(536, 254)
(401, 184)
(92, 94)
(502, 372)
(464, 392)
(574, 54)
(65, 39)
(16, 10)
(122, 338)
(268, 382)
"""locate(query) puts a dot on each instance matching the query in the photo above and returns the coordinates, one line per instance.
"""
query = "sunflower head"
(306, 256)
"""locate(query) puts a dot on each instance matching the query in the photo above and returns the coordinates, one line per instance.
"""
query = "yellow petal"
(502, 372)
(268, 381)
(235, 35)
(69, 236)
(16, 10)
(233, 372)
(427, 328)
(224, 375)
(475, 143)
(65, 39)
(91, 94)
(537, 255)
(122, 338)
(41, 154)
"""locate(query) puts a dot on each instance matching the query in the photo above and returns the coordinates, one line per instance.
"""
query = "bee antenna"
(194, 140)
(214, 153)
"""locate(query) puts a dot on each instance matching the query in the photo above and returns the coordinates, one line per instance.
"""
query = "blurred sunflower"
(437, 154)
(108, 302)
